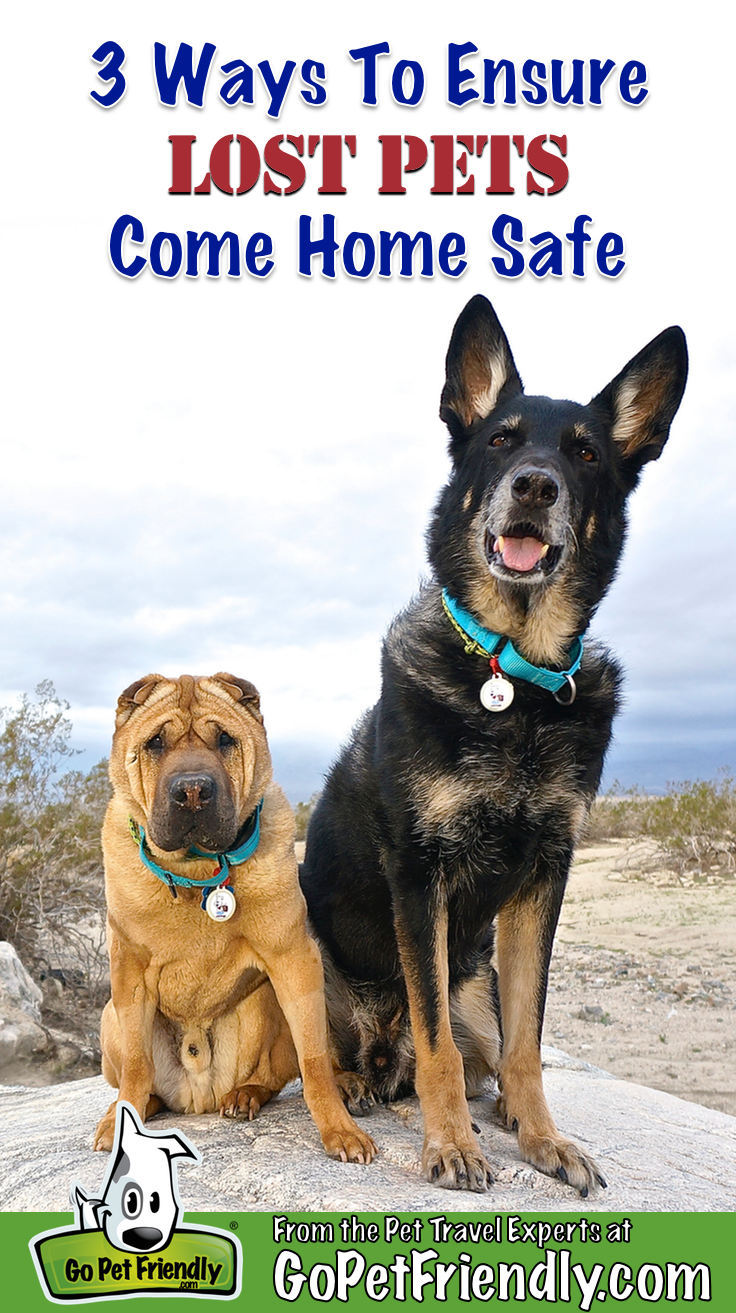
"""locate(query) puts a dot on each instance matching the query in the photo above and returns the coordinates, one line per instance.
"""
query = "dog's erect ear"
(132, 1131)
(641, 402)
(480, 368)
(177, 1146)
(135, 696)
(241, 690)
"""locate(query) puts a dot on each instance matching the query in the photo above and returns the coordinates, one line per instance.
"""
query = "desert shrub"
(693, 822)
(51, 877)
(618, 814)
(302, 812)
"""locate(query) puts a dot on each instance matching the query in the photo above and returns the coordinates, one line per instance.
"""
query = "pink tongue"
(522, 553)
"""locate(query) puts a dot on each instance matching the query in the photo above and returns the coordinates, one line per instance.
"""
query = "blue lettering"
(182, 71)
(117, 235)
(498, 233)
(115, 56)
(456, 76)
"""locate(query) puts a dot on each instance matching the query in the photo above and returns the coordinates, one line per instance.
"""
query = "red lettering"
(551, 166)
(391, 162)
(181, 165)
(288, 166)
(331, 162)
(500, 167)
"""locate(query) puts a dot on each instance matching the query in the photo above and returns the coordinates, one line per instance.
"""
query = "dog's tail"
(195, 1052)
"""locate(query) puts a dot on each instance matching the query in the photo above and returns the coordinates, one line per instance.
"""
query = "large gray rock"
(21, 1033)
(657, 1152)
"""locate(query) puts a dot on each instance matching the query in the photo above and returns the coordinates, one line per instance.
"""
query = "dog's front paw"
(245, 1101)
(355, 1092)
(557, 1156)
(456, 1168)
(349, 1144)
(552, 1154)
(105, 1133)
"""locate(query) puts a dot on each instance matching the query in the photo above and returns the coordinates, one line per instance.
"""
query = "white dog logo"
(140, 1205)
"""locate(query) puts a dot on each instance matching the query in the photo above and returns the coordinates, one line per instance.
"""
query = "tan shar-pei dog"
(217, 988)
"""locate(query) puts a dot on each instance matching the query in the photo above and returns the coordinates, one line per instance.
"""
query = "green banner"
(574, 1260)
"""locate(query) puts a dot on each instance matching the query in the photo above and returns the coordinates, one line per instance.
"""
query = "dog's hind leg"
(245, 1101)
(451, 1156)
(355, 1091)
(475, 1029)
(112, 1058)
(524, 934)
(277, 1066)
(344, 1045)
(266, 1057)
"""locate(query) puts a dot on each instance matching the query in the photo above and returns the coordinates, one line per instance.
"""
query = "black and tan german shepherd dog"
(438, 853)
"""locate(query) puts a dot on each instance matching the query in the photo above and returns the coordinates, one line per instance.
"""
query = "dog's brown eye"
(497, 439)
(156, 744)
(587, 454)
(225, 740)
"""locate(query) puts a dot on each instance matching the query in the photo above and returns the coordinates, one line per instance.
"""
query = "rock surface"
(21, 1033)
(657, 1152)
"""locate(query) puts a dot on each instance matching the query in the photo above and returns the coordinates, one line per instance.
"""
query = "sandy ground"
(643, 975)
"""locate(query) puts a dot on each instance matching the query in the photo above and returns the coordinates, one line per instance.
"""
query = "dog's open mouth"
(521, 551)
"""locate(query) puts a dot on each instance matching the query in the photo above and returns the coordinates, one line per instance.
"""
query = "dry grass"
(693, 823)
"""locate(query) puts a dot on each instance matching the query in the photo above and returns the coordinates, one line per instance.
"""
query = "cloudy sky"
(226, 473)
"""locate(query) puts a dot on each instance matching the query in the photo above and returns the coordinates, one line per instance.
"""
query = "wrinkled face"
(192, 754)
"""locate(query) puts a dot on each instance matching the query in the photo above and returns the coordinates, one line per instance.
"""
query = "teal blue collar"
(234, 856)
(484, 641)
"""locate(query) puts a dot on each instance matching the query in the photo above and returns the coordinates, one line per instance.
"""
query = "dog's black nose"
(142, 1237)
(535, 488)
(192, 792)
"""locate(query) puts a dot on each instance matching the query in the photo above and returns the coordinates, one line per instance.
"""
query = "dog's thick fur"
(208, 1016)
(438, 854)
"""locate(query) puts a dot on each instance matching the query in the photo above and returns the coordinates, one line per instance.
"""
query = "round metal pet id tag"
(220, 903)
(497, 693)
